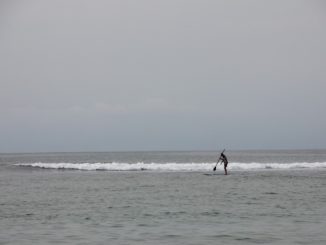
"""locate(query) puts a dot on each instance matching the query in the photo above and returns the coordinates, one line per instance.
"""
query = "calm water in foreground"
(275, 197)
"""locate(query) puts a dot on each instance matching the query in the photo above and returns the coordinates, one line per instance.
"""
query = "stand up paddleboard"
(212, 174)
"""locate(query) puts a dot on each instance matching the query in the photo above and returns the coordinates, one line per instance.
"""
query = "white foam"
(177, 167)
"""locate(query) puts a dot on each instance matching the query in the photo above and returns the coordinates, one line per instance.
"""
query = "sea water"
(275, 197)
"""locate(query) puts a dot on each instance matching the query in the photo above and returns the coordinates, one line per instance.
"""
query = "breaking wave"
(171, 167)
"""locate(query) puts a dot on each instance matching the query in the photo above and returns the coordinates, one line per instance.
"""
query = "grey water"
(249, 206)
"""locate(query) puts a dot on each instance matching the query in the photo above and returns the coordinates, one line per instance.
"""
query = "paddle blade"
(214, 169)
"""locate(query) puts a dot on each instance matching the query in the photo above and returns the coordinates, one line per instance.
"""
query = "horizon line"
(165, 151)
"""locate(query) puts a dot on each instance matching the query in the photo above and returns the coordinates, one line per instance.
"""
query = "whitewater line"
(140, 166)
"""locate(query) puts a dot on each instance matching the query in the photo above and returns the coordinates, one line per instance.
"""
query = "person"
(225, 161)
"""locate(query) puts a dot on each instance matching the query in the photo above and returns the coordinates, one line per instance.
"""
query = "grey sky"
(83, 75)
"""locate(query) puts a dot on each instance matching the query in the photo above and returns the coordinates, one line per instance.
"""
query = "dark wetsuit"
(225, 161)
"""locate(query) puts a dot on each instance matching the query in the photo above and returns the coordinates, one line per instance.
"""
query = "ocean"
(269, 197)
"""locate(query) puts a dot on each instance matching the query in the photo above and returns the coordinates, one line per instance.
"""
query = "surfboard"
(212, 174)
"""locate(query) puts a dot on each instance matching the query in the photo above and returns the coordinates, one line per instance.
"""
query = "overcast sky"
(79, 75)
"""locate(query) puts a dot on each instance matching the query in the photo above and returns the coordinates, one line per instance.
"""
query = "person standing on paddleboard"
(225, 161)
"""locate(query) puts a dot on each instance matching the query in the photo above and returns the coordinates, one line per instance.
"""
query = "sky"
(112, 75)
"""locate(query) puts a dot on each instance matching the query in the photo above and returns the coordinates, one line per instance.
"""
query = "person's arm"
(222, 159)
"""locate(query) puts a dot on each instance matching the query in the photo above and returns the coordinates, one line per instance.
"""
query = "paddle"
(214, 169)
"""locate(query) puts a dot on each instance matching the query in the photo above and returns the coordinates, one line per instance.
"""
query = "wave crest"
(173, 167)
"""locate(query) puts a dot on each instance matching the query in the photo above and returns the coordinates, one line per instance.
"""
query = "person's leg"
(225, 170)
